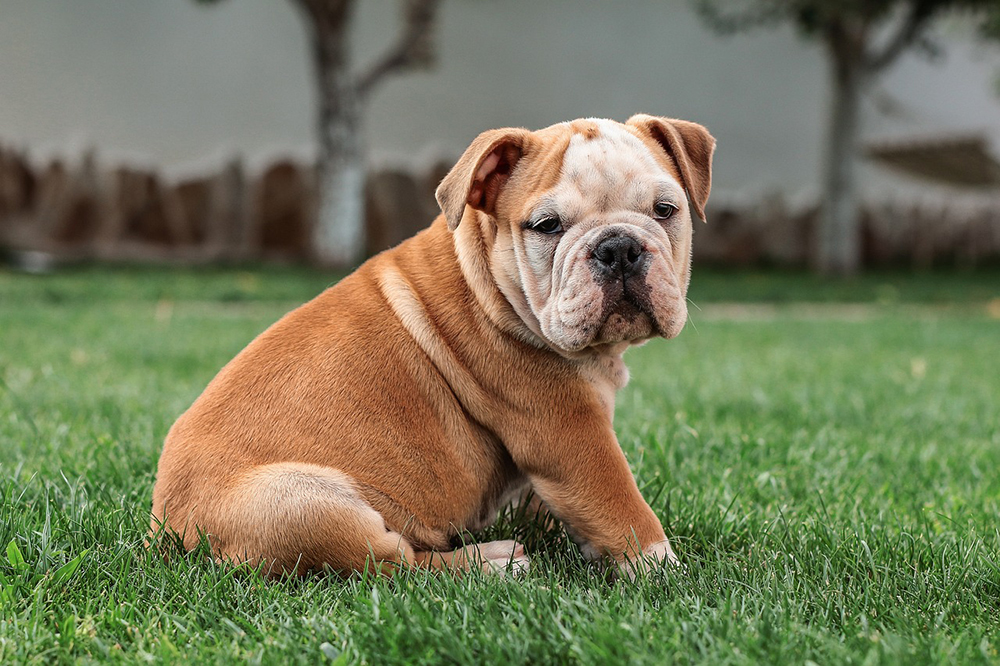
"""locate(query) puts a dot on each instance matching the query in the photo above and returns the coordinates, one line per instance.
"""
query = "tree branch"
(413, 49)
(906, 33)
(326, 14)
(720, 17)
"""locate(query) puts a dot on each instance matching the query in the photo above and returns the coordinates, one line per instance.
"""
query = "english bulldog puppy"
(448, 376)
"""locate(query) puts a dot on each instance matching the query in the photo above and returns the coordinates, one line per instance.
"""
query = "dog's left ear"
(480, 174)
(690, 146)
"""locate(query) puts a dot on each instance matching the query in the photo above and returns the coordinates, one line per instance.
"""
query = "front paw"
(661, 553)
(653, 556)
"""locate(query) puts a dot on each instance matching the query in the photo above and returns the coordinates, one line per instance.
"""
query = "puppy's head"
(586, 226)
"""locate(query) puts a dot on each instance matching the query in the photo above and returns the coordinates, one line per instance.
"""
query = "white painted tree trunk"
(838, 250)
(338, 237)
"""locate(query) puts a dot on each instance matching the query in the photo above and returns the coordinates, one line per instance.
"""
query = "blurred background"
(821, 443)
(316, 130)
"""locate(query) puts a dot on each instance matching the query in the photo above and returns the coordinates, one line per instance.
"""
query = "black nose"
(619, 255)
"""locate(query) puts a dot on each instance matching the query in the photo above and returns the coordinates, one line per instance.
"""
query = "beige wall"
(178, 84)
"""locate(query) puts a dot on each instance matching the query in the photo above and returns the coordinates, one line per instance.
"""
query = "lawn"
(827, 471)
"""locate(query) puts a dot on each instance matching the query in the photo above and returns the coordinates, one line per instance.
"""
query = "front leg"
(529, 504)
(580, 472)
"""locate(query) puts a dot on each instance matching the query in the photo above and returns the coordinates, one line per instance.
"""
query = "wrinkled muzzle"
(614, 283)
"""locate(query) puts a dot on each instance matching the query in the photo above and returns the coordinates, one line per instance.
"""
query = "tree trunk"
(338, 237)
(839, 234)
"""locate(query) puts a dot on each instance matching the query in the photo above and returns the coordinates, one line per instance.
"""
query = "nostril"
(605, 254)
(633, 254)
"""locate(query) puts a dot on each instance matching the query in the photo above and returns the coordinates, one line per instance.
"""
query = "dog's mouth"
(626, 293)
(628, 312)
(626, 321)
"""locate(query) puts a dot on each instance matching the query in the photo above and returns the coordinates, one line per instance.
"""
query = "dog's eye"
(664, 210)
(547, 225)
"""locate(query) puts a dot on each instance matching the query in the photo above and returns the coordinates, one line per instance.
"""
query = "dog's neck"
(504, 304)
(477, 312)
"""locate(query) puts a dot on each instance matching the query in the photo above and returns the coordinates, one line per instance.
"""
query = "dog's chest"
(605, 375)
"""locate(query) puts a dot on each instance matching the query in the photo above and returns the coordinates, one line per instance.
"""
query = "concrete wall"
(180, 85)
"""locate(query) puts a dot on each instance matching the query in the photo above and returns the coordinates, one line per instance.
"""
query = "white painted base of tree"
(338, 237)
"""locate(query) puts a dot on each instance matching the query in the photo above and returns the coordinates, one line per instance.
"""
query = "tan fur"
(407, 404)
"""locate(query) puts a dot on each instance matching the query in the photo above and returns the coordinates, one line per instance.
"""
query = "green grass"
(831, 483)
(295, 284)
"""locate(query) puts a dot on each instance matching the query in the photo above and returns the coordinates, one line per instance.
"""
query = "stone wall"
(961, 231)
(88, 211)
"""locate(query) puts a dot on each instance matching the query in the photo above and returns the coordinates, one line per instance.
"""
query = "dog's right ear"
(480, 174)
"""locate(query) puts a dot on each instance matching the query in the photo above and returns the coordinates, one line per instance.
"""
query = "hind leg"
(491, 557)
(298, 517)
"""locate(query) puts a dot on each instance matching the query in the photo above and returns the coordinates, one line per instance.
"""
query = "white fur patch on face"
(614, 167)
(609, 184)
